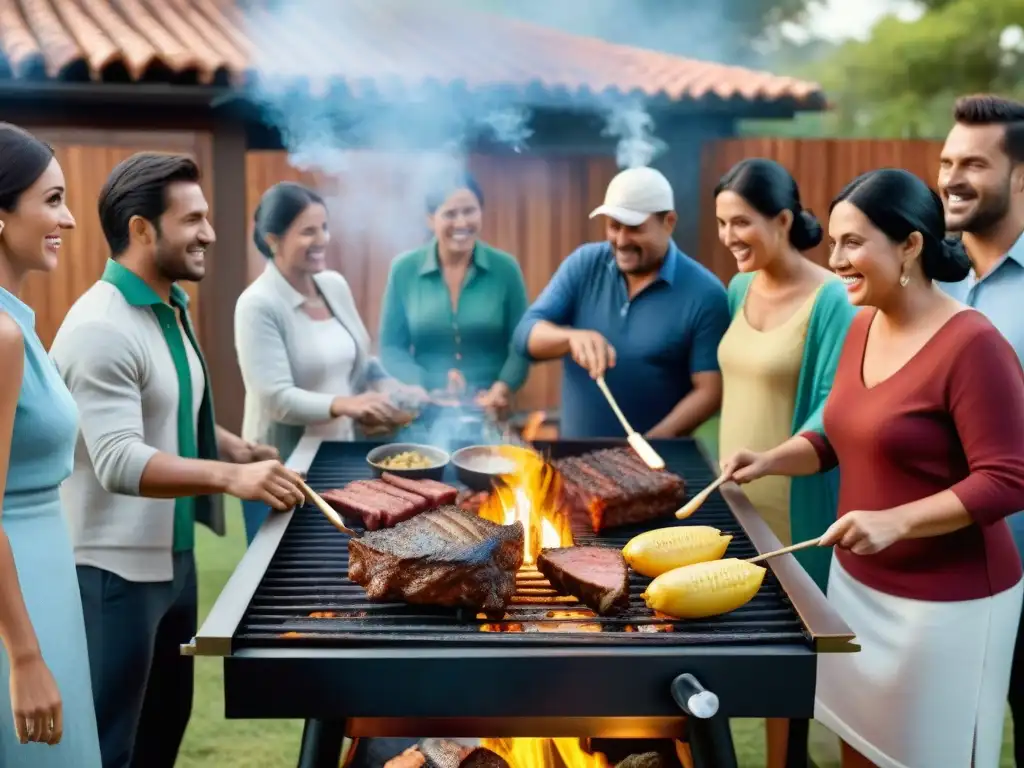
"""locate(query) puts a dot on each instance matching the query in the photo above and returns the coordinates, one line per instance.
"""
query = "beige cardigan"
(276, 411)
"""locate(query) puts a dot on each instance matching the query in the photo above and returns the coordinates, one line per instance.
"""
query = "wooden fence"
(822, 167)
(535, 208)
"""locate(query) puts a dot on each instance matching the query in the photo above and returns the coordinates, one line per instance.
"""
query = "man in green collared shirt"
(148, 463)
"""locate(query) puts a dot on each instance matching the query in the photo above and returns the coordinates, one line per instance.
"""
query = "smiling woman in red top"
(926, 421)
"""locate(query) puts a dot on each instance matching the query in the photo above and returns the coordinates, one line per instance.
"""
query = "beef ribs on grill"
(613, 487)
(443, 557)
(435, 492)
(597, 576)
(383, 504)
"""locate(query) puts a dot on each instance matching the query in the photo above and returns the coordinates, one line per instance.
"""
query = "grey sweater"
(116, 363)
(267, 329)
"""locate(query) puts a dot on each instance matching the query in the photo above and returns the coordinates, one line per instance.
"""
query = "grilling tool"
(785, 550)
(327, 510)
(635, 439)
(695, 503)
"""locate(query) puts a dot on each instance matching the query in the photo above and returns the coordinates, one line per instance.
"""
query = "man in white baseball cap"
(636, 310)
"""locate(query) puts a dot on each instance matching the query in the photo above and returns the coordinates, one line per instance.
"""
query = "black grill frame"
(497, 688)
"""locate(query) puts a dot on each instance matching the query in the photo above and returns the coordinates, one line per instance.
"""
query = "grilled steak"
(441, 557)
(597, 576)
(613, 487)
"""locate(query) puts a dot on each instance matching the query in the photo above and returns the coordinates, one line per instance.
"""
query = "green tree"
(902, 81)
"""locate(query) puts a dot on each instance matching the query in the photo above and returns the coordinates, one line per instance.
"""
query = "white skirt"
(928, 687)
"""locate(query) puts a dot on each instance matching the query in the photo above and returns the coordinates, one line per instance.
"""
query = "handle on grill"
(693, 698)
(327, 510)
(636, 441)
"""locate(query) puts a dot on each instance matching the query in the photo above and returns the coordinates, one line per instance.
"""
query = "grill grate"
(306, 600)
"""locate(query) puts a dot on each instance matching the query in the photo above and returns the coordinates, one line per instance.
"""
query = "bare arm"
(794, 458)
(547, 341)
(702, 402)
(19, 638)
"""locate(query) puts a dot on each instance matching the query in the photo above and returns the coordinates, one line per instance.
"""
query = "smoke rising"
(381, 145)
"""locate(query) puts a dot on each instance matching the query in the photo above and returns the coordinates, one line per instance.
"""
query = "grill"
(301, 641)
(305, 591)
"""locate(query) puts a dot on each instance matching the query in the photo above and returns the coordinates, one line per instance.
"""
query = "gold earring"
(904, 280)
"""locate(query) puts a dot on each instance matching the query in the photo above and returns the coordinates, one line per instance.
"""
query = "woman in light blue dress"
(47, 718)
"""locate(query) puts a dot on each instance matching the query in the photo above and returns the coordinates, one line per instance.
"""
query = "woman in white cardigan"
(302, 348)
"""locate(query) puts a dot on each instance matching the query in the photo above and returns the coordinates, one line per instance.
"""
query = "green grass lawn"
(213, 742)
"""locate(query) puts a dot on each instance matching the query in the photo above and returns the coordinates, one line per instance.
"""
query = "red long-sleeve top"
(952, 418)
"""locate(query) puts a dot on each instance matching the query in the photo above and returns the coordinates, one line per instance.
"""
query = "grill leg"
(796, 747)
(709, 735)
(321, 743)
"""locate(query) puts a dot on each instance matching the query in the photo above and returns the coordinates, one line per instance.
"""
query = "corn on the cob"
(704, 589)
(656, 552)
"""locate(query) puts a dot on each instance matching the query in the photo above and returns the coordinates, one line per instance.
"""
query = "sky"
(839, 19)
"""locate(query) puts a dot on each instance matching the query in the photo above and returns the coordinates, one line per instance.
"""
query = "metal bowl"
(478, 466)
(439, 460)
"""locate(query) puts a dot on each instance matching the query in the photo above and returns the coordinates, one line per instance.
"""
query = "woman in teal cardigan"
(451, 306)
(778, 357)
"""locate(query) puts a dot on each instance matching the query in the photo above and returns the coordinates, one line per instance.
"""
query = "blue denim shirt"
(661, 336)
(999, 295)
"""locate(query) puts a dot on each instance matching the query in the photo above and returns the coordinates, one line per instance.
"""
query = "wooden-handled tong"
(636, 441)
(327, 510)
(785, 550)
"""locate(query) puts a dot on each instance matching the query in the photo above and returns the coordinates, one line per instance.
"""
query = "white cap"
(634, 194)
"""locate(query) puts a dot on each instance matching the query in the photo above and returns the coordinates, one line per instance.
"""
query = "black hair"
(989, 109)
(138, 187)
(899, 203)
(770, 189)
(280, 205)
(23, 159)
(442, 191)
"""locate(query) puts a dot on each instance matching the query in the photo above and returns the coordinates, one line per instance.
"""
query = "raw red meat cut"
(596, 576)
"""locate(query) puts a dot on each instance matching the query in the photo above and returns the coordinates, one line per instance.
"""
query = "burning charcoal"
(646, 760)
(441, 753)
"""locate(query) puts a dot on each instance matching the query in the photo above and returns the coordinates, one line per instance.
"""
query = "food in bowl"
(407, 460)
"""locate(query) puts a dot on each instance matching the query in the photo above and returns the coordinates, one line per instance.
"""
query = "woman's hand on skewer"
(865, 533)
(746, 466)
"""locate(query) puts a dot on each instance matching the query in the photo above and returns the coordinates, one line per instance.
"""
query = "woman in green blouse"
(450, 307)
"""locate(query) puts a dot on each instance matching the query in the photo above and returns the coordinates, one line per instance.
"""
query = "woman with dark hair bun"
(924, 420)
(303, 350)
(48, 719)
(450, 308)
(778, 357)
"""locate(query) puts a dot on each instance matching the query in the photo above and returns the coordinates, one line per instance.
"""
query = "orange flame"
(531, 494)
(545, 753)
(532, 426)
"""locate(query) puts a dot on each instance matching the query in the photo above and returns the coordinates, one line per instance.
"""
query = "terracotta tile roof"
(402, 44)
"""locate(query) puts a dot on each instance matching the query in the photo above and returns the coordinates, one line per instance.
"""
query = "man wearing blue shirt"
(981, 179)
(636, 310)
